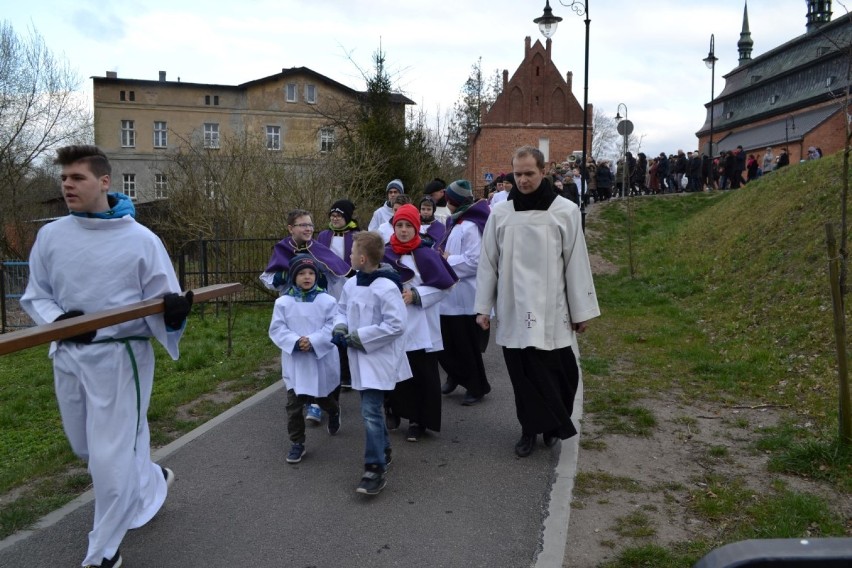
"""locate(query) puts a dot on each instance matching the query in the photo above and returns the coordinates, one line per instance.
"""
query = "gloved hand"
(85, 337)
(354, 341)
(176, 309)
(339, 339)
(279, 279)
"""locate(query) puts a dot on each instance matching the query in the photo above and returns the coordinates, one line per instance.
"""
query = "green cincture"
(126, 341)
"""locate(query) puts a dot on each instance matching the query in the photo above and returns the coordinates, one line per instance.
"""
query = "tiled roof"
(778, 132)
(806, 70)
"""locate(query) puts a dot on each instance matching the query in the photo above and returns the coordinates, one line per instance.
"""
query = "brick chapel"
(535, 107)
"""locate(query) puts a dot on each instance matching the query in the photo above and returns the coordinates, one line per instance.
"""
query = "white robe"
(386, 231)
(378, 314)
(498, 197)
(463, 246)
(442, 213)
(91, 265)
(315, 372)
(381, 215)
(423, 327)
(545, 280)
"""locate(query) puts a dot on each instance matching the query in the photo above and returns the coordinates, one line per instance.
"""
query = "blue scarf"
(120, 205)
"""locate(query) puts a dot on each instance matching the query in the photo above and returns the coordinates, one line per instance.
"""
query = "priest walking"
(534, 272)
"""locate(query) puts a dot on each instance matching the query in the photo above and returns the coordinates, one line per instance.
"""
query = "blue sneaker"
(297, 452)
(313, 413)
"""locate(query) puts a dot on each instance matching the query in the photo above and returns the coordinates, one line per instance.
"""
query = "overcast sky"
(647, 55)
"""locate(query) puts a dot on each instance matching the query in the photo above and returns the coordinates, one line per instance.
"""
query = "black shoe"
(471, 399)
(388, 458)
(391, 420)
(449, 386)
(333, 425)
(169, 475)
(415, 431)
(550, 439)
(373, 480)
(524, 447)
(113, 562)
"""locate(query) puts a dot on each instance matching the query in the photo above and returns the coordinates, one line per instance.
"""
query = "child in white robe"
(371, 321)
(301, 327)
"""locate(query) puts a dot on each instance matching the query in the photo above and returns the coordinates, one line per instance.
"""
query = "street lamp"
(625, 128)
(710, 61)
(789, 124)
(547, 23)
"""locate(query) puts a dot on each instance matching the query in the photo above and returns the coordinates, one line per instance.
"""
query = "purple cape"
(325, 238)
(433, 268)
(435, 231)
(477, 214)
(285, 249)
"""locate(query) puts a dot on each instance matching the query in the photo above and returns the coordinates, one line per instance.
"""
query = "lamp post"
(625, 128)
(547, 23)
(710, 61)
(789, 124)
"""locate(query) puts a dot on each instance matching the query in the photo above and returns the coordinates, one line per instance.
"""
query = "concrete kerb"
(555, 535)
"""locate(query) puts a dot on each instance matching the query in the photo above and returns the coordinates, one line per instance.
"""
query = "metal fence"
(218, 261)
(201, 263)
(13, 281)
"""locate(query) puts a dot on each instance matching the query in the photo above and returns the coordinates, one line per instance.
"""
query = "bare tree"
(40, 110)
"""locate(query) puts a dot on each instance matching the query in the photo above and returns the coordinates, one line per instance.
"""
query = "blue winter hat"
(395, 184)
(459, 192)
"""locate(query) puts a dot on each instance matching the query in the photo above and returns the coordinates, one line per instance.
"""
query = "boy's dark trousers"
(295, 411)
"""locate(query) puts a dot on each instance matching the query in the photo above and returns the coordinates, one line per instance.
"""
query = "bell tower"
(745, 45)
(819, 14)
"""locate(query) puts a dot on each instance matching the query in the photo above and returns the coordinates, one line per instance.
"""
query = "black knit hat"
(344, 207)
(300, 262)
(436, 184)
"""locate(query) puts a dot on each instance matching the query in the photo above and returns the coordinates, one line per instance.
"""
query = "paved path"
(459, 498)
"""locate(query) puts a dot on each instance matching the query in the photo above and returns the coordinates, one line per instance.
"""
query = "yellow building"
(138, 122)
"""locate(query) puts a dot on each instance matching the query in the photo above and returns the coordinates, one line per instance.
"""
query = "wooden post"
(844, 408)
(17, 340)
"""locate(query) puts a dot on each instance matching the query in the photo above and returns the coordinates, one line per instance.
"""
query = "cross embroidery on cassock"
(530, 320)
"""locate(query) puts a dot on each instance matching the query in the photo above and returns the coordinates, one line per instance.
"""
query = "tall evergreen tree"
(477, 95)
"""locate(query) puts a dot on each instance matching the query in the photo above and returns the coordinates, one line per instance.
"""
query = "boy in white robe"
(99, 258)
(371, 321)
(301, 326)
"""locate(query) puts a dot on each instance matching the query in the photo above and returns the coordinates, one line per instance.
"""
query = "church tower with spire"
(819, 14)
(745, 44)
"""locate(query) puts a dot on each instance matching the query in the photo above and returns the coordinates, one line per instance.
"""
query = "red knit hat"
(408, 213)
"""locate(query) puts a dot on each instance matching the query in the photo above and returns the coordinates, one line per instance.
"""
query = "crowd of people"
(639, 175)
(376, 310)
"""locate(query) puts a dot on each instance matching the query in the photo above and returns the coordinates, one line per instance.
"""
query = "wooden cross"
(25, 338)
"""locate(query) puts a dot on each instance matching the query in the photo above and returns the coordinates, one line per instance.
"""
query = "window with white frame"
(311, 94)
(161, 134)
(128, 134)
(292, 93)
(129, 185)
(211, 134)
(273, 137)
(326, 139)
(161, 186)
